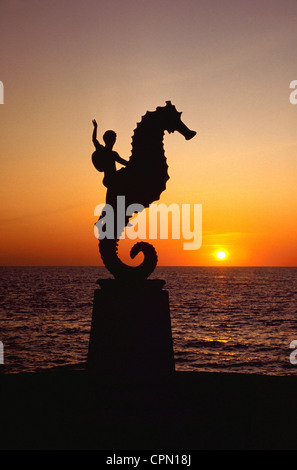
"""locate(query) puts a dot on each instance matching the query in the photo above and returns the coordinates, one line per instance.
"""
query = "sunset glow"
(226, 65)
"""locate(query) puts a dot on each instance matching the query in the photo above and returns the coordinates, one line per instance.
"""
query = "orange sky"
(226, 64)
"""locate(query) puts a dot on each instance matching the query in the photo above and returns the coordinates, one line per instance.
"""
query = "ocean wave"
(236, 319)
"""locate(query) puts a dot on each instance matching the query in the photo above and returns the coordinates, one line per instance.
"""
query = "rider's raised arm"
(94, 135)
(120, 160)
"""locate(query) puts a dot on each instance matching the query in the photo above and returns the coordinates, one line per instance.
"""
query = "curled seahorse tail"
(121, 271)
(150, 258)
(108, 251)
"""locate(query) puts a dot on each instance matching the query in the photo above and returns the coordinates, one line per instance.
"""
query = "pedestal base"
(131, 331)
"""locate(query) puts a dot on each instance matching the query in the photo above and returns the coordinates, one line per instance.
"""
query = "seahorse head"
(171, 120)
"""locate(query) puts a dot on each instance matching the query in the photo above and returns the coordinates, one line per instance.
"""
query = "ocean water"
(223, 319)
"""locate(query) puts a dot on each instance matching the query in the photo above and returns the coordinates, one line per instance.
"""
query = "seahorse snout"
(190, 135)
(185, 131)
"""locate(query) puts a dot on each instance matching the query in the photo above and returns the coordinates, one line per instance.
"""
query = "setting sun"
(221, 255)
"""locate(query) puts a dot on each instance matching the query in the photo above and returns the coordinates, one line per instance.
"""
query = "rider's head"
(109, 138)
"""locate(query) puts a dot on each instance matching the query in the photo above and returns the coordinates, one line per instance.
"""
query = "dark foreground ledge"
(69, 409)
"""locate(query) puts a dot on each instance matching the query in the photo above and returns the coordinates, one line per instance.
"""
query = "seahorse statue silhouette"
(141, 182)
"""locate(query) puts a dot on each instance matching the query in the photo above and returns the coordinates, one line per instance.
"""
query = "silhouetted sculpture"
(141, 182)
(131, 328)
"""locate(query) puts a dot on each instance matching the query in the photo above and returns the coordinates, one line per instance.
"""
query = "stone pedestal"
(131, 331)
